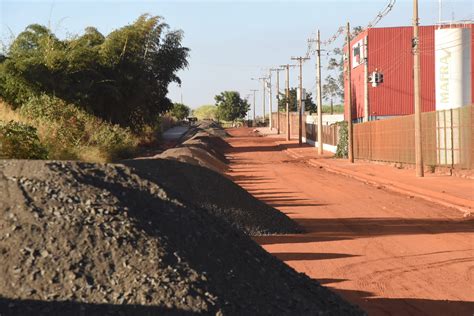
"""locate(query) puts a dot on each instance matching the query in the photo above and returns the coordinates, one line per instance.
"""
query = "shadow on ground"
(362, 227)
(403, 306)
(32, 307)
(290, 256)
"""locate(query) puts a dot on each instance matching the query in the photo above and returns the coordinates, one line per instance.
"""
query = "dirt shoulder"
(91, 239)
(390, 253)
(450, 191)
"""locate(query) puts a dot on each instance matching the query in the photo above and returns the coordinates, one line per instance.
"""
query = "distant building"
(382, 70)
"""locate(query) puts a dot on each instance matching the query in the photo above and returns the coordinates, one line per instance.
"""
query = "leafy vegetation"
(122, 77)
(309, 105)
(68, 132)
(230, 106)
(180, 111)
(342, 143)
(205, 112)
(90, 97)
(333, 87)
(20, 141)
(336, 109)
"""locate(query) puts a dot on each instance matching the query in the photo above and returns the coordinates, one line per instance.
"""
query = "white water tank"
(453, 67)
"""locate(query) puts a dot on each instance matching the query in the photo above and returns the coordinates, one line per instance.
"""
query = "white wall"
(453, 68)
(328, 119)
(453, 90)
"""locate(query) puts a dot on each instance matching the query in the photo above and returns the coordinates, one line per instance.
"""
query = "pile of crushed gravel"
(192, 172)
(201, 146)
(90, 239)
(195, 156)
(221, 197)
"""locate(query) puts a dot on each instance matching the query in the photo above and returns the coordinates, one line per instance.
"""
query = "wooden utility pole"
(277, 96)
(278, 101)
(253, 90)
(287, 94)
(366, 82)
(270, 93)
(417, 91)
(319, 94)
(300, 101)
(350, 149)
(263, 99)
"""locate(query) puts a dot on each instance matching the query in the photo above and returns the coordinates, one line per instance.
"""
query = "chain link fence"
(447, 139)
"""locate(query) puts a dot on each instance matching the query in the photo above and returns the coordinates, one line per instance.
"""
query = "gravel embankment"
(215, 193)
(88, 239)
(202, 145)
(193, 173)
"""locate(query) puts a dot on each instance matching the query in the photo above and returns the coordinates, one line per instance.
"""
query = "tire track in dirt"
(396, 255)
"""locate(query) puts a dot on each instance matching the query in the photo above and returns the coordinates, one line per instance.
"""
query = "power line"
(373, 23)
(382, 14)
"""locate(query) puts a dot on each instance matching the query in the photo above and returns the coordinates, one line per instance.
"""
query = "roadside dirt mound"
(194, 155)
(215, 145)
(217, 194)
(213, 128)
(202, 146)
(98, 239)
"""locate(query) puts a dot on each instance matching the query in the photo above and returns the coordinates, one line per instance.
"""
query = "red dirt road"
(387, 252)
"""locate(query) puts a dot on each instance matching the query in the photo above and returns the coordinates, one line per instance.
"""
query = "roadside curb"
(465, 206)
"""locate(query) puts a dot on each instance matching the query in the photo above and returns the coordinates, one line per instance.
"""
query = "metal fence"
(447, 139)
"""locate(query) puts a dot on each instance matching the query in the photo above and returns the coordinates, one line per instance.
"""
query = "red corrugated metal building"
(389, 51)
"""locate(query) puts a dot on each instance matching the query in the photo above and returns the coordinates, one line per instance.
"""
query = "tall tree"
(230, 106)
(333, 88)
(309, 105)
(205, 112)
(122, 77)
(180, 111)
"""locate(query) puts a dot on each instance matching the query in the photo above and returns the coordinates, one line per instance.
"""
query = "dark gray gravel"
(217, 194)
(88, 239)
(192, 172)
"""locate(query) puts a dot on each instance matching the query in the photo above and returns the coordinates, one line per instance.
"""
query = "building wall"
(357, 78)
(390, 52)
(327, 119)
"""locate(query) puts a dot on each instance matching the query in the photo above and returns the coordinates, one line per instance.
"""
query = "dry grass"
(47, 133)
(7, 114)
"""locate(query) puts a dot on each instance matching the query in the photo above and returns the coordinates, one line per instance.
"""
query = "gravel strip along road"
(215, 193)
(199, 182)
(91, 239)
(391, 254)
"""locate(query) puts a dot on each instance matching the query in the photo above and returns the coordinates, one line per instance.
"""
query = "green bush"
(122, 77)
(341, 151)
(180, 111)
(205, 112)
(67, 121)
(20, 141)
(70, 128)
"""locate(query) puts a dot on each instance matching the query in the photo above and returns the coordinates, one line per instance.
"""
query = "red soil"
(390, 253)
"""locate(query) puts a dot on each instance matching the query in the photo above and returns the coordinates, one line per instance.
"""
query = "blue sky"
(230, 41)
